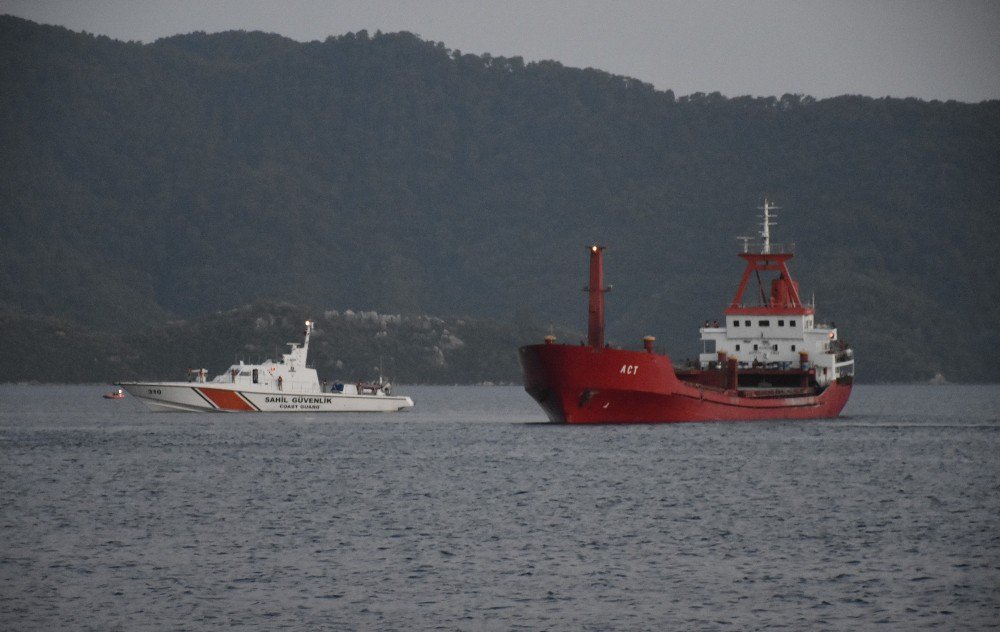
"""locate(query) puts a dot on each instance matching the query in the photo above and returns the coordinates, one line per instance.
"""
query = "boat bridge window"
(793, 347)
(736, 323)
(747, 323)
(737, 347)
(781, 323)
(764, 323)
(791, 323)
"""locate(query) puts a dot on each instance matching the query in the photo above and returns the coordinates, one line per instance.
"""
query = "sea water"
(468, 513)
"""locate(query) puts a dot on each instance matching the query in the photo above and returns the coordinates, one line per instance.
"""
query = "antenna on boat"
(746, 242)
(766, 229)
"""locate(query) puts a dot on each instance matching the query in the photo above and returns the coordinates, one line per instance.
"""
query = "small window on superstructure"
(781, 323)
(737, 347)
(791, 323)
(755, 347)
(764, 323)
(793, 347)
(736, 323)
(774, 347)
(747, 323)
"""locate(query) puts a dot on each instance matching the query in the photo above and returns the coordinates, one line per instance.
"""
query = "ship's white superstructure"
(778, 331)
(778, 341)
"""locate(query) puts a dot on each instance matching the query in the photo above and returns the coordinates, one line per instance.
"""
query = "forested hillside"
(145, 183)
(346, 345)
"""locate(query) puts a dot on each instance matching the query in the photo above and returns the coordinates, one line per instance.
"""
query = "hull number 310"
(630, 369)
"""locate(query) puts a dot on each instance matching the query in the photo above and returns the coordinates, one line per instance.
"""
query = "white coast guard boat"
(285, 386)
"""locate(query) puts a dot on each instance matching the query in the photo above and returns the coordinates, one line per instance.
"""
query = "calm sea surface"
(467, 514)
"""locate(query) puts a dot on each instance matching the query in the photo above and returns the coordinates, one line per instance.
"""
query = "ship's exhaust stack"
(596, 289)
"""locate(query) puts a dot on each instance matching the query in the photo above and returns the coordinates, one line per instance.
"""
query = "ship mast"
(784, 289)
(596, 289)
(766, 229)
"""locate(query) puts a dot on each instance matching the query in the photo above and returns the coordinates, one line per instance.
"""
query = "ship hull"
(211, 397)
(586, 384)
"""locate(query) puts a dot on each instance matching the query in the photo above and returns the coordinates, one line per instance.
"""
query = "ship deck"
(753, 382)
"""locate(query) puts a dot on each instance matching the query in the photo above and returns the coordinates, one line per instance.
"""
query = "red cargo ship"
(767, 360)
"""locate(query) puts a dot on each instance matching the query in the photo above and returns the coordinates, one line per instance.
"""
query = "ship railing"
(843, 369)
(300, 389)
(760, 304)
(776, 249)
(845, 356)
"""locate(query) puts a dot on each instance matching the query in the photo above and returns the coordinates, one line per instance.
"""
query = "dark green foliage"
(201, 172)
(344, 346)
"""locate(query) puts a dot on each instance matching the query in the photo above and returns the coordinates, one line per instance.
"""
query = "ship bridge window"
(793, 347)
(737, 347)
(781, 323)
(791, 323)
(736, 323)
(747, 323)
(764, 323)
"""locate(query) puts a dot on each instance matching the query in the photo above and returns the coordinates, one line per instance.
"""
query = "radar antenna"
(766, 232)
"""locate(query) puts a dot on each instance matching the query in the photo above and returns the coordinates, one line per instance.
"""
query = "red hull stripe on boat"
(226, 400)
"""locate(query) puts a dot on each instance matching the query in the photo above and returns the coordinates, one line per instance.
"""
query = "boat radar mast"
(766, 229)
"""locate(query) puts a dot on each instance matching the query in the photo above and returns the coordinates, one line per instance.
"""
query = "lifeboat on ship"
(767, 360)
(283, 386)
